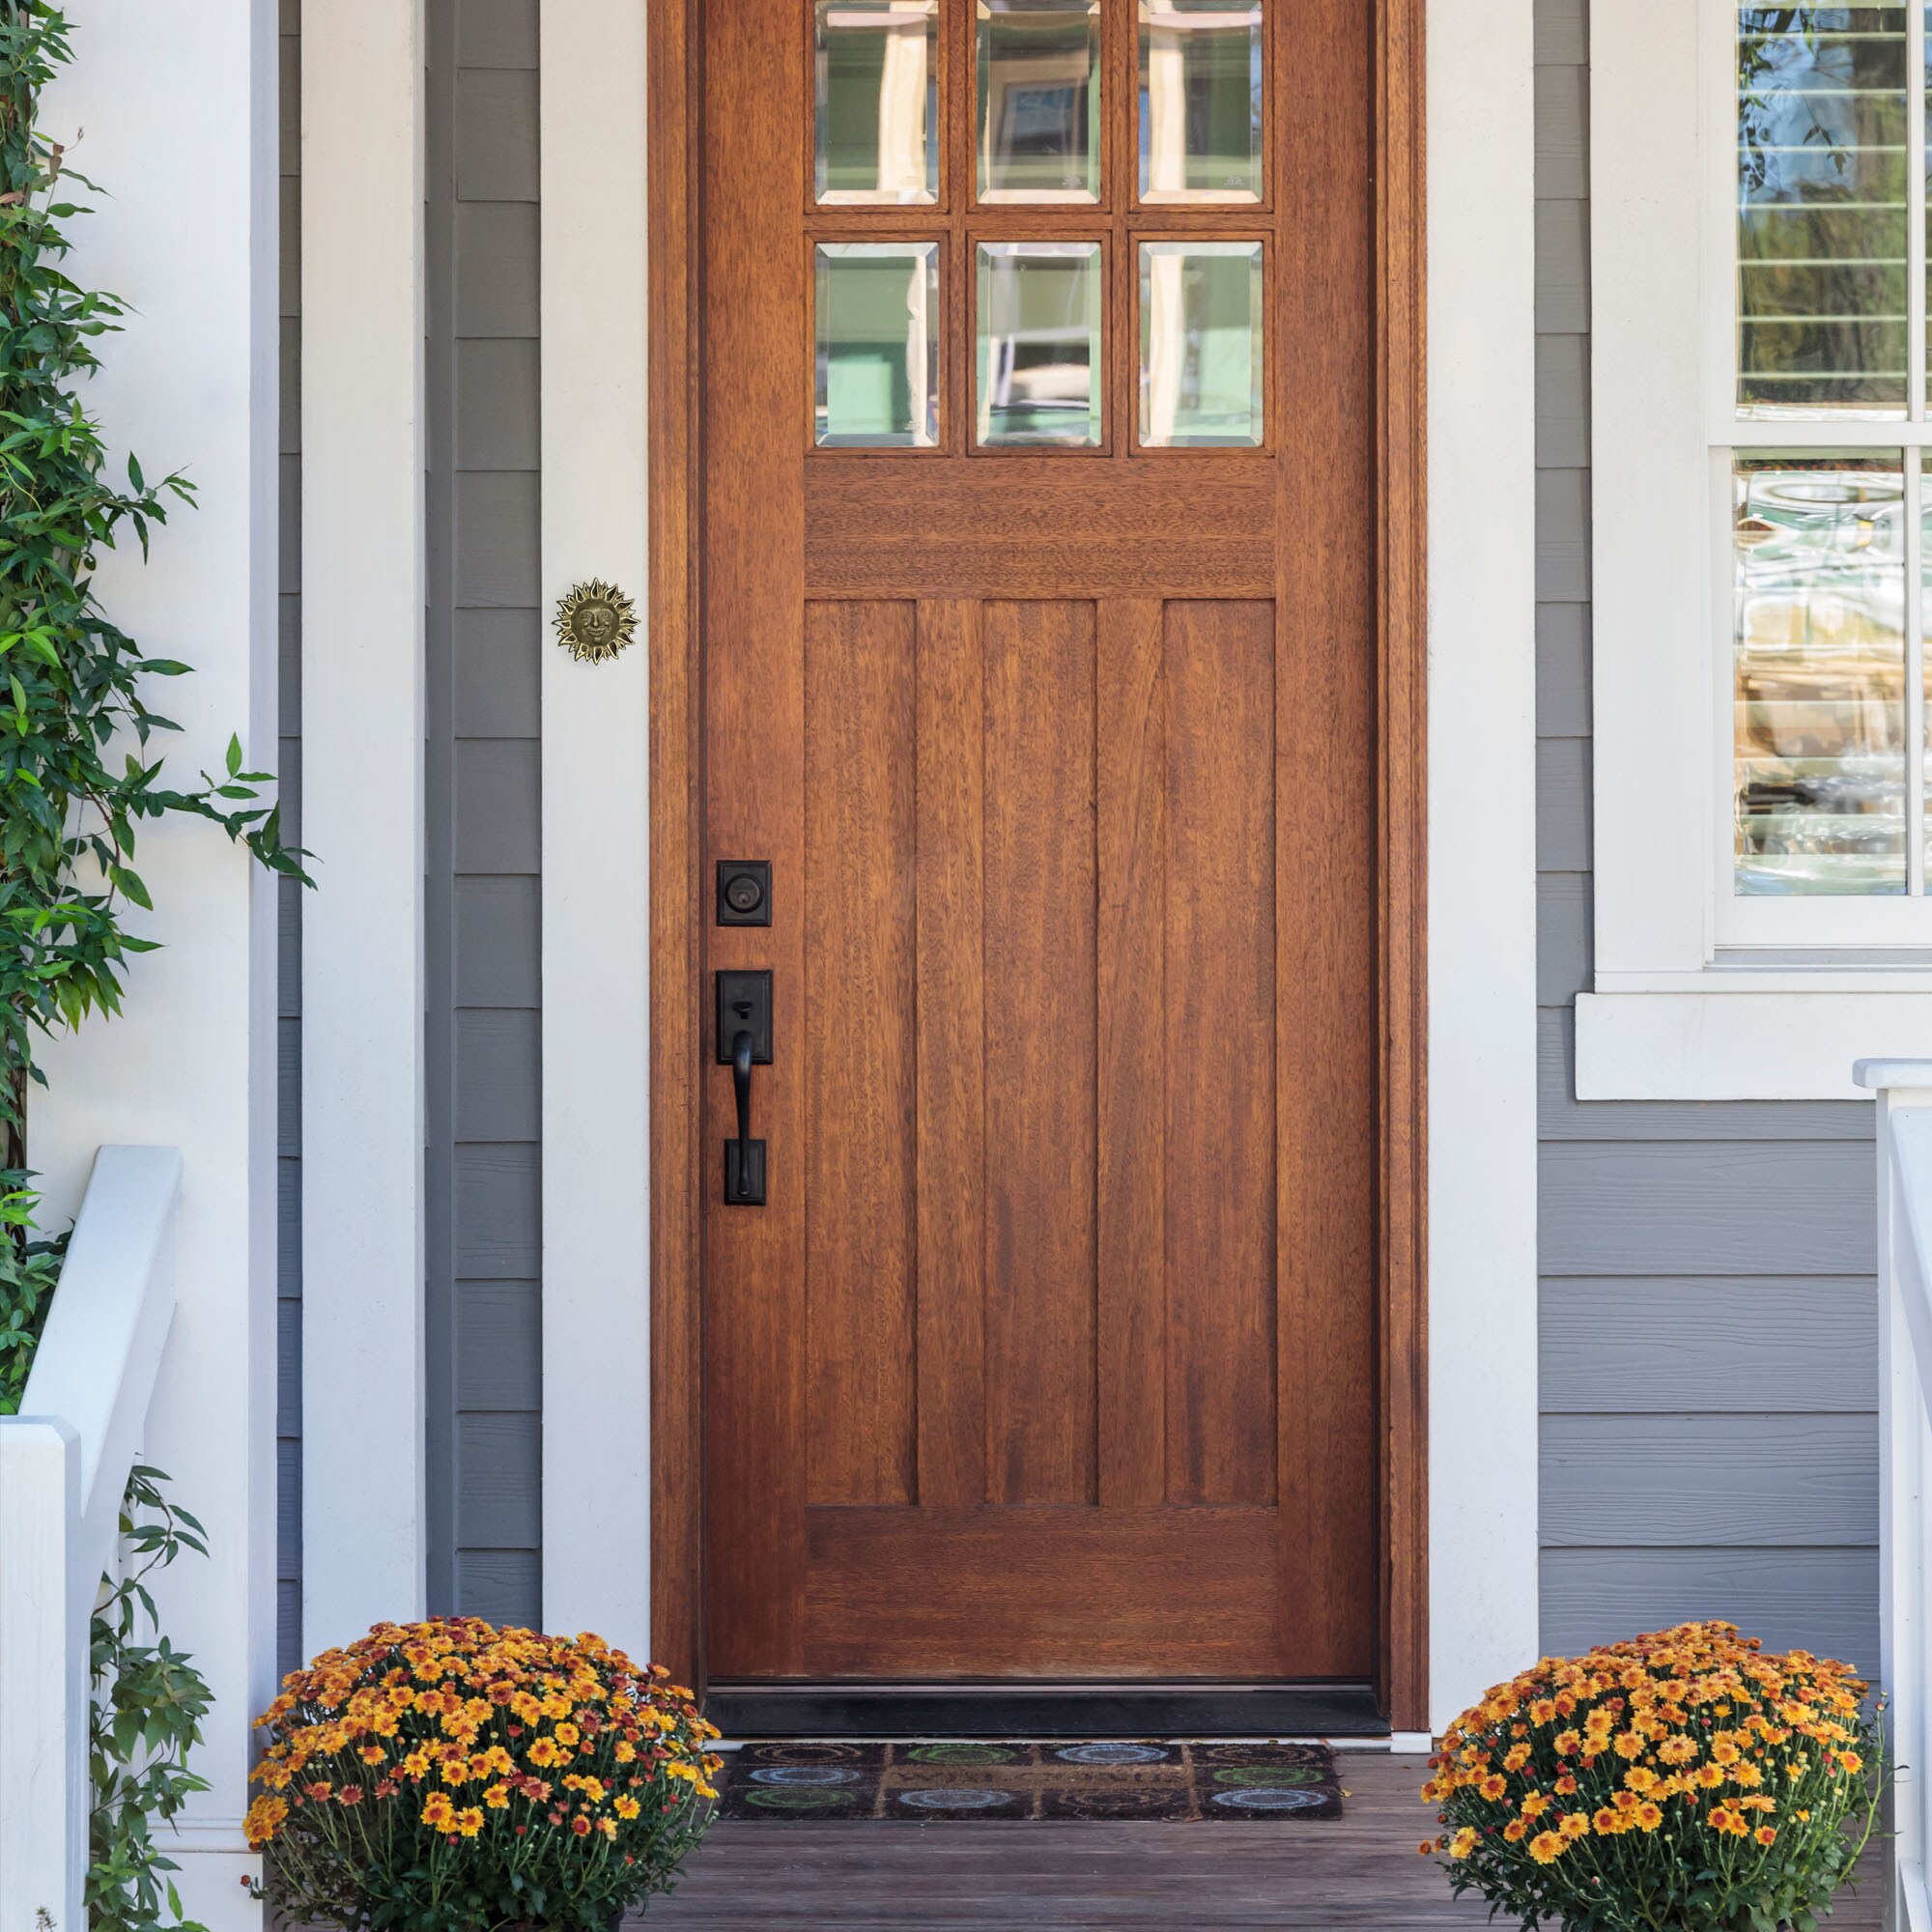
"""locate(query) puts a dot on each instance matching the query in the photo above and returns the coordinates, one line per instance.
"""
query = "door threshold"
(743, 1711)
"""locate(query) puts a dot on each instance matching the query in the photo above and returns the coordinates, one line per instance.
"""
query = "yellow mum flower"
(469, 1821)
(263, 1817)
(1546, 1847)
(629, 1807)
(1573, 1825)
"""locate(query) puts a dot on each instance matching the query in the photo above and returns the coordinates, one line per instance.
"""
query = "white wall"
(1482, 842)
(179, 107)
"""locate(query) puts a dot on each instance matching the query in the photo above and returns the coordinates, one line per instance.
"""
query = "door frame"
(676, 897)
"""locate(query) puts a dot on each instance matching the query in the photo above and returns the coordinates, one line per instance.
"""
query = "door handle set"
(744, 1039)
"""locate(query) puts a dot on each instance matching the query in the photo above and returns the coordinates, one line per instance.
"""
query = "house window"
(1757, 280)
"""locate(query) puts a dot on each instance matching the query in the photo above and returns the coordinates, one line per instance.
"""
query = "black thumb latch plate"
(745, 1002)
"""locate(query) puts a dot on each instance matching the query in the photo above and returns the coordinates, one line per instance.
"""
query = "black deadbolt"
(744, 892)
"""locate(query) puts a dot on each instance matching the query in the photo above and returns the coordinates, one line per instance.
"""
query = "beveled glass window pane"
(1200, 344)
(1038, 353)
(1201, 101)
(1818, 678)
(878, 344)
(1039, 123)
(877, 79)
(1821, 310)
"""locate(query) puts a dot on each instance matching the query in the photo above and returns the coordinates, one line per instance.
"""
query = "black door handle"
(741, 1087)
(744, 1040)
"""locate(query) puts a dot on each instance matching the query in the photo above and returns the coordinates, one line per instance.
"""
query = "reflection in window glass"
(878, 344)
(1822, 312)
(1040, 101)
(1200, 344)
(877, 80)
(1038, 348)
(1201, 101)
(1819, 680)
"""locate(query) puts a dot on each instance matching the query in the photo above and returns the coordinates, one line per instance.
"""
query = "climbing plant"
(79, 777)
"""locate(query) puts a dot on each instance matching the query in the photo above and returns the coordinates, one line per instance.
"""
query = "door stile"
(754, 722)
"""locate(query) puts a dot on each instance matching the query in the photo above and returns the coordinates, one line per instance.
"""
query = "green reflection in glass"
(1822, 157)
(1200, 344)
(877, 81)
(1040, 101)
(1201, 101)
(1038, 354)
(878, 344)
(1818, 539)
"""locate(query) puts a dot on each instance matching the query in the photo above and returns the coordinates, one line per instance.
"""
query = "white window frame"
(1699, 994)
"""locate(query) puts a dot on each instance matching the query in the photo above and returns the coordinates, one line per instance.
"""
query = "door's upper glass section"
(1201, 102)
(877, 86)
(1038, 124)
(1823, 208)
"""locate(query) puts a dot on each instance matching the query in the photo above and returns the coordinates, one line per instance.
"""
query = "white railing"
(63, 1465)
(1904, 1090)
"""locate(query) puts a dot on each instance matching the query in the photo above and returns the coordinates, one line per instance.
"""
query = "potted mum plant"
(1682, 1782)
(450, 1777)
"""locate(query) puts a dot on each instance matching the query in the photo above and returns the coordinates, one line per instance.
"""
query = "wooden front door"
(1037, 485)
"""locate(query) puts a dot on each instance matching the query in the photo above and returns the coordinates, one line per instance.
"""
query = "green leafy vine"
(79, 779)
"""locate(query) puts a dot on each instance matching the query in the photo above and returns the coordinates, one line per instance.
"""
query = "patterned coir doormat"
(1160, 1779)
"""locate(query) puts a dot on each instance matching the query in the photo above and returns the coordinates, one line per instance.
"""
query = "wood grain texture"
(1721, 1207)
(1042, 1592)
(1220, 975)
(1764, 1345)
(860, 1191)
(951, 1079)
(1820, 1600)
(1658, 1482)
(1041, 973)
(753, 631)
(1131, 998)
(1357, 1873)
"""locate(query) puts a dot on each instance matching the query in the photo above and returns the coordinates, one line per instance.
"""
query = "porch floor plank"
(1360, 1870)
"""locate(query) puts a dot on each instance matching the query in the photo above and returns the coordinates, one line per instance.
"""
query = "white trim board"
(364, 584)
(190, 384)
(1483, 1606)
(596, 828)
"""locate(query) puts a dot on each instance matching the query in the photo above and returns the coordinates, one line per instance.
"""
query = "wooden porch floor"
(1360, 1870)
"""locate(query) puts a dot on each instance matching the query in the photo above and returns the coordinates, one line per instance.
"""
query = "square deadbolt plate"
(744, 892)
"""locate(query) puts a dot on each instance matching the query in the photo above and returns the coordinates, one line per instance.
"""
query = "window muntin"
(1820, 604)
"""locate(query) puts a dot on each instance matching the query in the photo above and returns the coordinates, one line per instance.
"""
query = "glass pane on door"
(1818, 538)
(878, 344)
(1038, 120)
(876, 75)
(1200, 344)
(1038, 358)
(1201, 101)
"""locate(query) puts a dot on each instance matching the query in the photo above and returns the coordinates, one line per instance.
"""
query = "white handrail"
(63, 1465)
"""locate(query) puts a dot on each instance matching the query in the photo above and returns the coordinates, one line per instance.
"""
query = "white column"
(596, 775)
(180, 112)
(364, 596)
(1482, 852)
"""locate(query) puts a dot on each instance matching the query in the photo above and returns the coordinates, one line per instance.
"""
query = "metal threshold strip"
(743, 1711)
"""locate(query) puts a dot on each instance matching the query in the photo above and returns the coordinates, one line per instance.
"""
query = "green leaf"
(234, 754)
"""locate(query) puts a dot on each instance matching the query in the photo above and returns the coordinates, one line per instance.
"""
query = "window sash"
(1740, 925)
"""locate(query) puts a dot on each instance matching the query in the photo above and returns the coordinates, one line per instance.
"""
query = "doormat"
(1162, 1779)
